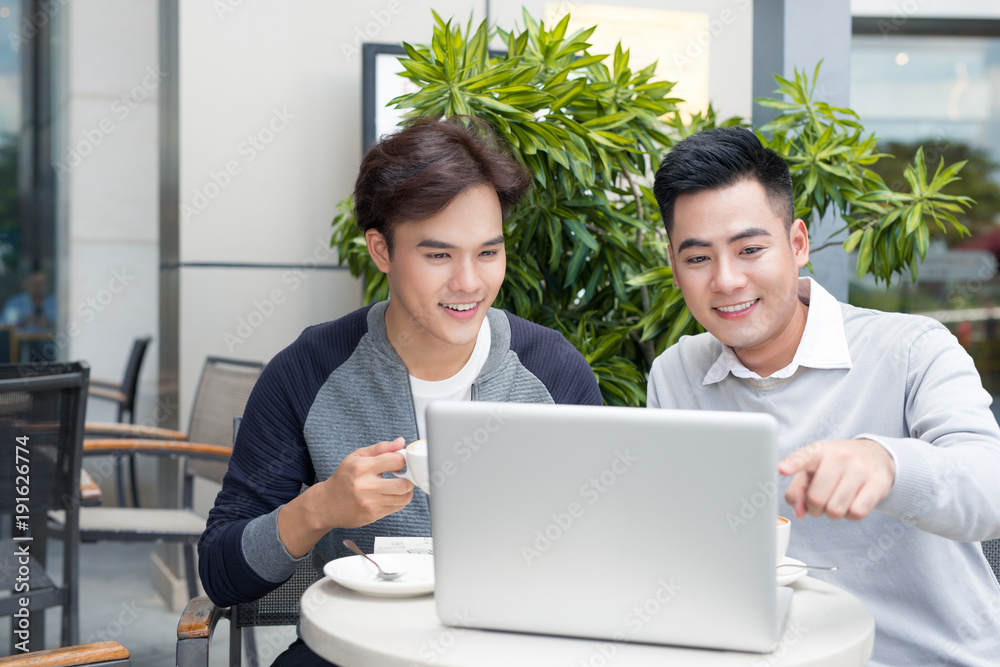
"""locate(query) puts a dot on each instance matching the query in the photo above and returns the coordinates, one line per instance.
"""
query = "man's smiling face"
(737, 268)
(444, 274)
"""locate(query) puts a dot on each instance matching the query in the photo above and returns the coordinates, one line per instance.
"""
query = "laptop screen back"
(625, 524)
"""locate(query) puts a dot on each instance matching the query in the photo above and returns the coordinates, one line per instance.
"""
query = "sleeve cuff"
(914, 487)
(264, 551)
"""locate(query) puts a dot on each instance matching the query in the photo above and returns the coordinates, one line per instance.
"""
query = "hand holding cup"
(417, 469)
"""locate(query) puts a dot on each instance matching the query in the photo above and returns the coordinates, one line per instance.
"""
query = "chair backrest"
(992, 550)
(130, 382)
(222, 394)
(42, 412)
(280, 606)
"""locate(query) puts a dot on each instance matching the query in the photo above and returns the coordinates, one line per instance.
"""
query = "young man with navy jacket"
(331, 411)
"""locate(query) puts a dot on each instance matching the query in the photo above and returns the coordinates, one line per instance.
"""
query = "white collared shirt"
(823, 344)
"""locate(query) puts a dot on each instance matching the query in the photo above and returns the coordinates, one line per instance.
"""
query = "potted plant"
(586, 249)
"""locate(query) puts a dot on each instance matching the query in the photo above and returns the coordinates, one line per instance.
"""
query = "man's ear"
(798, 237)
(378, 249)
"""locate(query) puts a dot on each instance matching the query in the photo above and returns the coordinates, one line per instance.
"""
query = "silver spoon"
(822, 568)
(382, 574)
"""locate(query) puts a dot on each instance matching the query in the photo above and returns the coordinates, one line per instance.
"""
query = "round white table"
(826, 627)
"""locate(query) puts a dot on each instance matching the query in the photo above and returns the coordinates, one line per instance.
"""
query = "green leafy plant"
(978, 179)
(586, 249)
(829, 157)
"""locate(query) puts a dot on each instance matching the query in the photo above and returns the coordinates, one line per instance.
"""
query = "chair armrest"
(90, 492)
(194, 631)
(199, 618)
(84, 654)
(108, 394)
(108, 429)
(105, 384)
(156, 448)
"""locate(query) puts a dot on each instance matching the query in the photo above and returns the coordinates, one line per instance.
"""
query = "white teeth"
(737, 308)
(459, 306)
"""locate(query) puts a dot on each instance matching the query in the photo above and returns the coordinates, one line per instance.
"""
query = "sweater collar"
(499, 336)
(823, 344)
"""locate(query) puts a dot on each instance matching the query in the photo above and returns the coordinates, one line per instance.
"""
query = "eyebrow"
(746, 233)
(441, 245)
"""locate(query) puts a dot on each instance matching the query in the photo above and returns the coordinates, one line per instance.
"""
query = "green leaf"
(865, 252)
(581, 233)
(491, 79)
(423, 71)
(913, 218)
(609, 122)
(852, 241)
(567, 98)
(657, 276)
(586, 61)
(507, 110)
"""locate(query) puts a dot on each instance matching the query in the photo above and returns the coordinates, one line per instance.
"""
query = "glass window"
(942, 93)
(28, 313)
(10, 127)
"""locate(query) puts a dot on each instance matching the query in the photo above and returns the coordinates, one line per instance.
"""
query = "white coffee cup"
(784, 532)
(417, 469)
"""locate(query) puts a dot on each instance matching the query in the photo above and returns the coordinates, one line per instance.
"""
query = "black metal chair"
(123, 394)
(98, 654)
(42, 411)
(279, 607)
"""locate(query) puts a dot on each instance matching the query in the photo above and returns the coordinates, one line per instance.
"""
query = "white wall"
(287, 77)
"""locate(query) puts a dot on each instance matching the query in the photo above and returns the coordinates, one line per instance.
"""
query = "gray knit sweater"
(916, 561)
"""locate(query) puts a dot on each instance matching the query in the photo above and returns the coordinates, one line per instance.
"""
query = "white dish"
(788, 574)
(358, 574)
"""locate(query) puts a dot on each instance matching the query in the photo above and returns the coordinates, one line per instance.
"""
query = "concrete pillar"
(799, 34)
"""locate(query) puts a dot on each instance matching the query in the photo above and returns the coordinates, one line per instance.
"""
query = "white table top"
(826, 627)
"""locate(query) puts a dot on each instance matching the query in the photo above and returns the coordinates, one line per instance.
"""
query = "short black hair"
(416, 172)
(718, 158)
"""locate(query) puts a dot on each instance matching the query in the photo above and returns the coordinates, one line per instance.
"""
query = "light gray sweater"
(916, 561)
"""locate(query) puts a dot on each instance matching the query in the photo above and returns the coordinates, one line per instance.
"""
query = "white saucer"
(787, 575)
(356, 573)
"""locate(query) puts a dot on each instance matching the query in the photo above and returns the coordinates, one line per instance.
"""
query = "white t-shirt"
(456, 388)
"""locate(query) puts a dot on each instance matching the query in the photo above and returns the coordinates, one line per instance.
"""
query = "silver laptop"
(624, 524)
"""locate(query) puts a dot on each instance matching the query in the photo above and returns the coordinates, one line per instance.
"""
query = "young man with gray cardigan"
(891, 456)
(331, 411)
